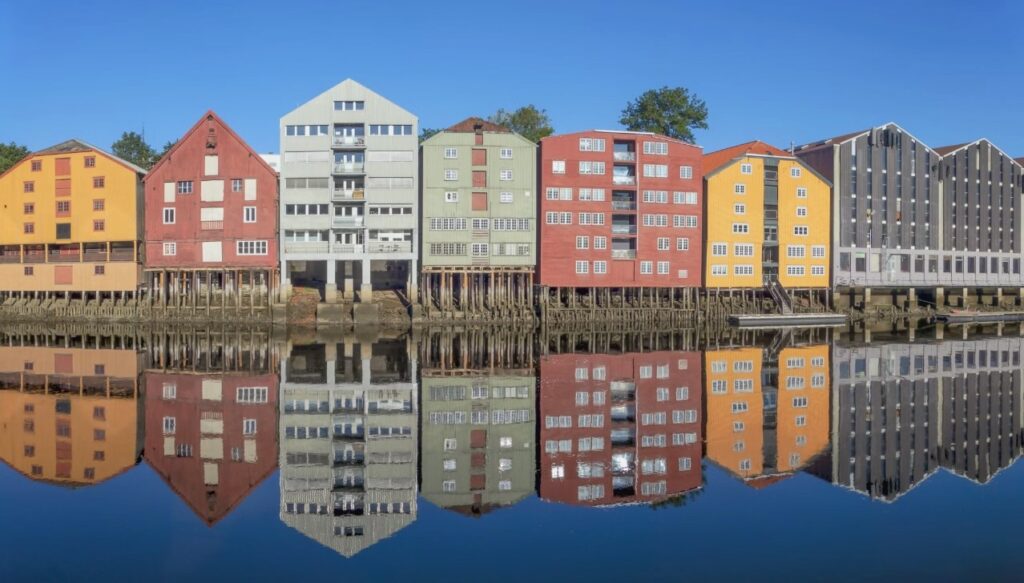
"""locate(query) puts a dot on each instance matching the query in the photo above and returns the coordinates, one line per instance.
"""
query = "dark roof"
(74, 145)
(719, 158)
(943, 150)
(1019, 160)
(830, 141)
(473, 124)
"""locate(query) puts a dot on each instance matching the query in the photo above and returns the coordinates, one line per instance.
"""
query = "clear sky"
(783, 71)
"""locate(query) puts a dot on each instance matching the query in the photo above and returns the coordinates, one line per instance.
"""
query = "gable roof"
(210, 114)
(624, 134)
(719, 158)
(349, 83)
(943, 150)
(75, 145)
(947, 150)
(472, 124)
(828, 142)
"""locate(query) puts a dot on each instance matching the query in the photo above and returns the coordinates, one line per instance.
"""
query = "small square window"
(37, 165)
(99, 182)
(90, 161)
(99, 225)
(99, 204)
(100, 270)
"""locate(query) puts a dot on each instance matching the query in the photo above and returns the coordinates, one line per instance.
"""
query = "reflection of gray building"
(478, 440)
(902, 411)
(348, 442)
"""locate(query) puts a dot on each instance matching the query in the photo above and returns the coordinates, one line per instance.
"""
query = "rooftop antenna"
(792, 146)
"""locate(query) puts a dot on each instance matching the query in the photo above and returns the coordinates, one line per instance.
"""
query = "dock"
(980, 317)
(806, 320)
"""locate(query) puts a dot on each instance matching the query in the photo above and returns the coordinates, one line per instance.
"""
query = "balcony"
(390, 247)
(94, 256)
(624, 229)
(349, 142)
(623, 205)
(34, 256)
(346, 248)
(625, 156)
(342, 222)
(10, 254)
(306, 246)
(63, 254)
(350, 194)
(211, 225)
(624, 180)
(349, 168)
(623, 253)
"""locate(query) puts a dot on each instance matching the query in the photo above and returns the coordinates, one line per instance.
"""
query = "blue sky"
(785, 71)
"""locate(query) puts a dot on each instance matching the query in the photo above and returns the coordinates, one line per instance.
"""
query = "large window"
(251, 247)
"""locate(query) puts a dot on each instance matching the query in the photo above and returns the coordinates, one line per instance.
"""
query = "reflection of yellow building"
(767, 213)
(70, 416)
(735, 410)
(766, 418)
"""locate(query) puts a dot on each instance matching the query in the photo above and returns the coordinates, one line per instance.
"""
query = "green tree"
(133, 148)
(11, 154)
(670, 111)
(528, 121)
(426, 133)
(167, 148)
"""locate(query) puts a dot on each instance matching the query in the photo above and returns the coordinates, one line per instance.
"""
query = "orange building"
(69, 416)
(767, 418)
(71, 224)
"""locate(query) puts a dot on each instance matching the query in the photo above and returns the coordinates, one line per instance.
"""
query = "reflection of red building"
(211, 437)
(619, 428)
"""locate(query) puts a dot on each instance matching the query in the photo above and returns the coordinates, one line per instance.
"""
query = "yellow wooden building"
(768, 218)
(71, 224)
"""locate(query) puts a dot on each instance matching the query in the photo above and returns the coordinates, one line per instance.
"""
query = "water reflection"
(362, 428)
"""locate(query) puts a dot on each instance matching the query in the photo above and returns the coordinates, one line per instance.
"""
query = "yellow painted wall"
(721, 200)
(117, 276)
(797, 445)
(818, 204)
(102, 433)
(722, 438)
(120, 192)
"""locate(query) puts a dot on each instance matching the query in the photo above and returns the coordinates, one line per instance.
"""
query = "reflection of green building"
(348, 442)
(478, 433)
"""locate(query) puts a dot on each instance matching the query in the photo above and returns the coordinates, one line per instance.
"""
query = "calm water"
(504, 456)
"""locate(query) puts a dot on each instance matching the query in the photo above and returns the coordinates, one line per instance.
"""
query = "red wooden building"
(620, 210)
(211, 437)
(211, 220)
(619, 429)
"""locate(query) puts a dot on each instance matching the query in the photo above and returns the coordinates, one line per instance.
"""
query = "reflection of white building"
(348, 442)
(902, 411)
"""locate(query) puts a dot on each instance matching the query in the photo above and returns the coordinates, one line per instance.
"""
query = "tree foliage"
(427, 133)
(167, 148)
(528, 121)
(133, 148)
(11, 154)
(670, 111)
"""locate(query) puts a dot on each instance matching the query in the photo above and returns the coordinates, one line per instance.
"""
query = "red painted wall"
(558, 253)
(186, 162)
(559, 386)
(185, 474)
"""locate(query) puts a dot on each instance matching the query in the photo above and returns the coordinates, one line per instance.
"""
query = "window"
(505, 153)
(818, 251)
(63, 207)
(719, 249)
(595, 168)
(248, 427)
(592, 144)
(170, 425)
(99, 204)
(801, 230)
(349, 105)
(794, 172)
(682, 244)
(743, 250)
(817, 270)
(251, 395)
(29, 208)
(719, 270)
(99, 225)
(168, 216)
(663, 268)
(582, 267)
(646, 267)
(684, 221)
(98, 182)
(451, 153)
(236, 184)
(740, 228)
(656, 148)
(795, 270)
(746, 169)
(739, 407)
(801, 211)
(657, 170)
(558, 166)
(744, 270)
(739, 188)
(801, 192)
(251, 248)
(28, 186)
(505, 175)
(686, 172)
(795, 251)
(29, 270)
(184, 187)
(600, 242)
(582, 242)
(505, 197)
(170, 249)
(684, 197)
(249, 214)
(558, 471)
(29, 228)
(601, 267)
(480, 249)
(451, 196)
(37, 165)
(451, 174)
(800, 402)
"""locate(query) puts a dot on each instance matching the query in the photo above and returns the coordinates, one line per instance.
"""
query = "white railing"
(350, 194)
(623, 254)
(390, 247)
(348, 168)
(625, 156)
(624, 179)
(349, 141)
(306, 246)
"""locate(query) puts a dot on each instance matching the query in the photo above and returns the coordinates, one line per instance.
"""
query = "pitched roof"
(834, 140)
(719, 158)
(206, 116)
(74, 145)
(943, 150)
(472, 124)
(1019, 161)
